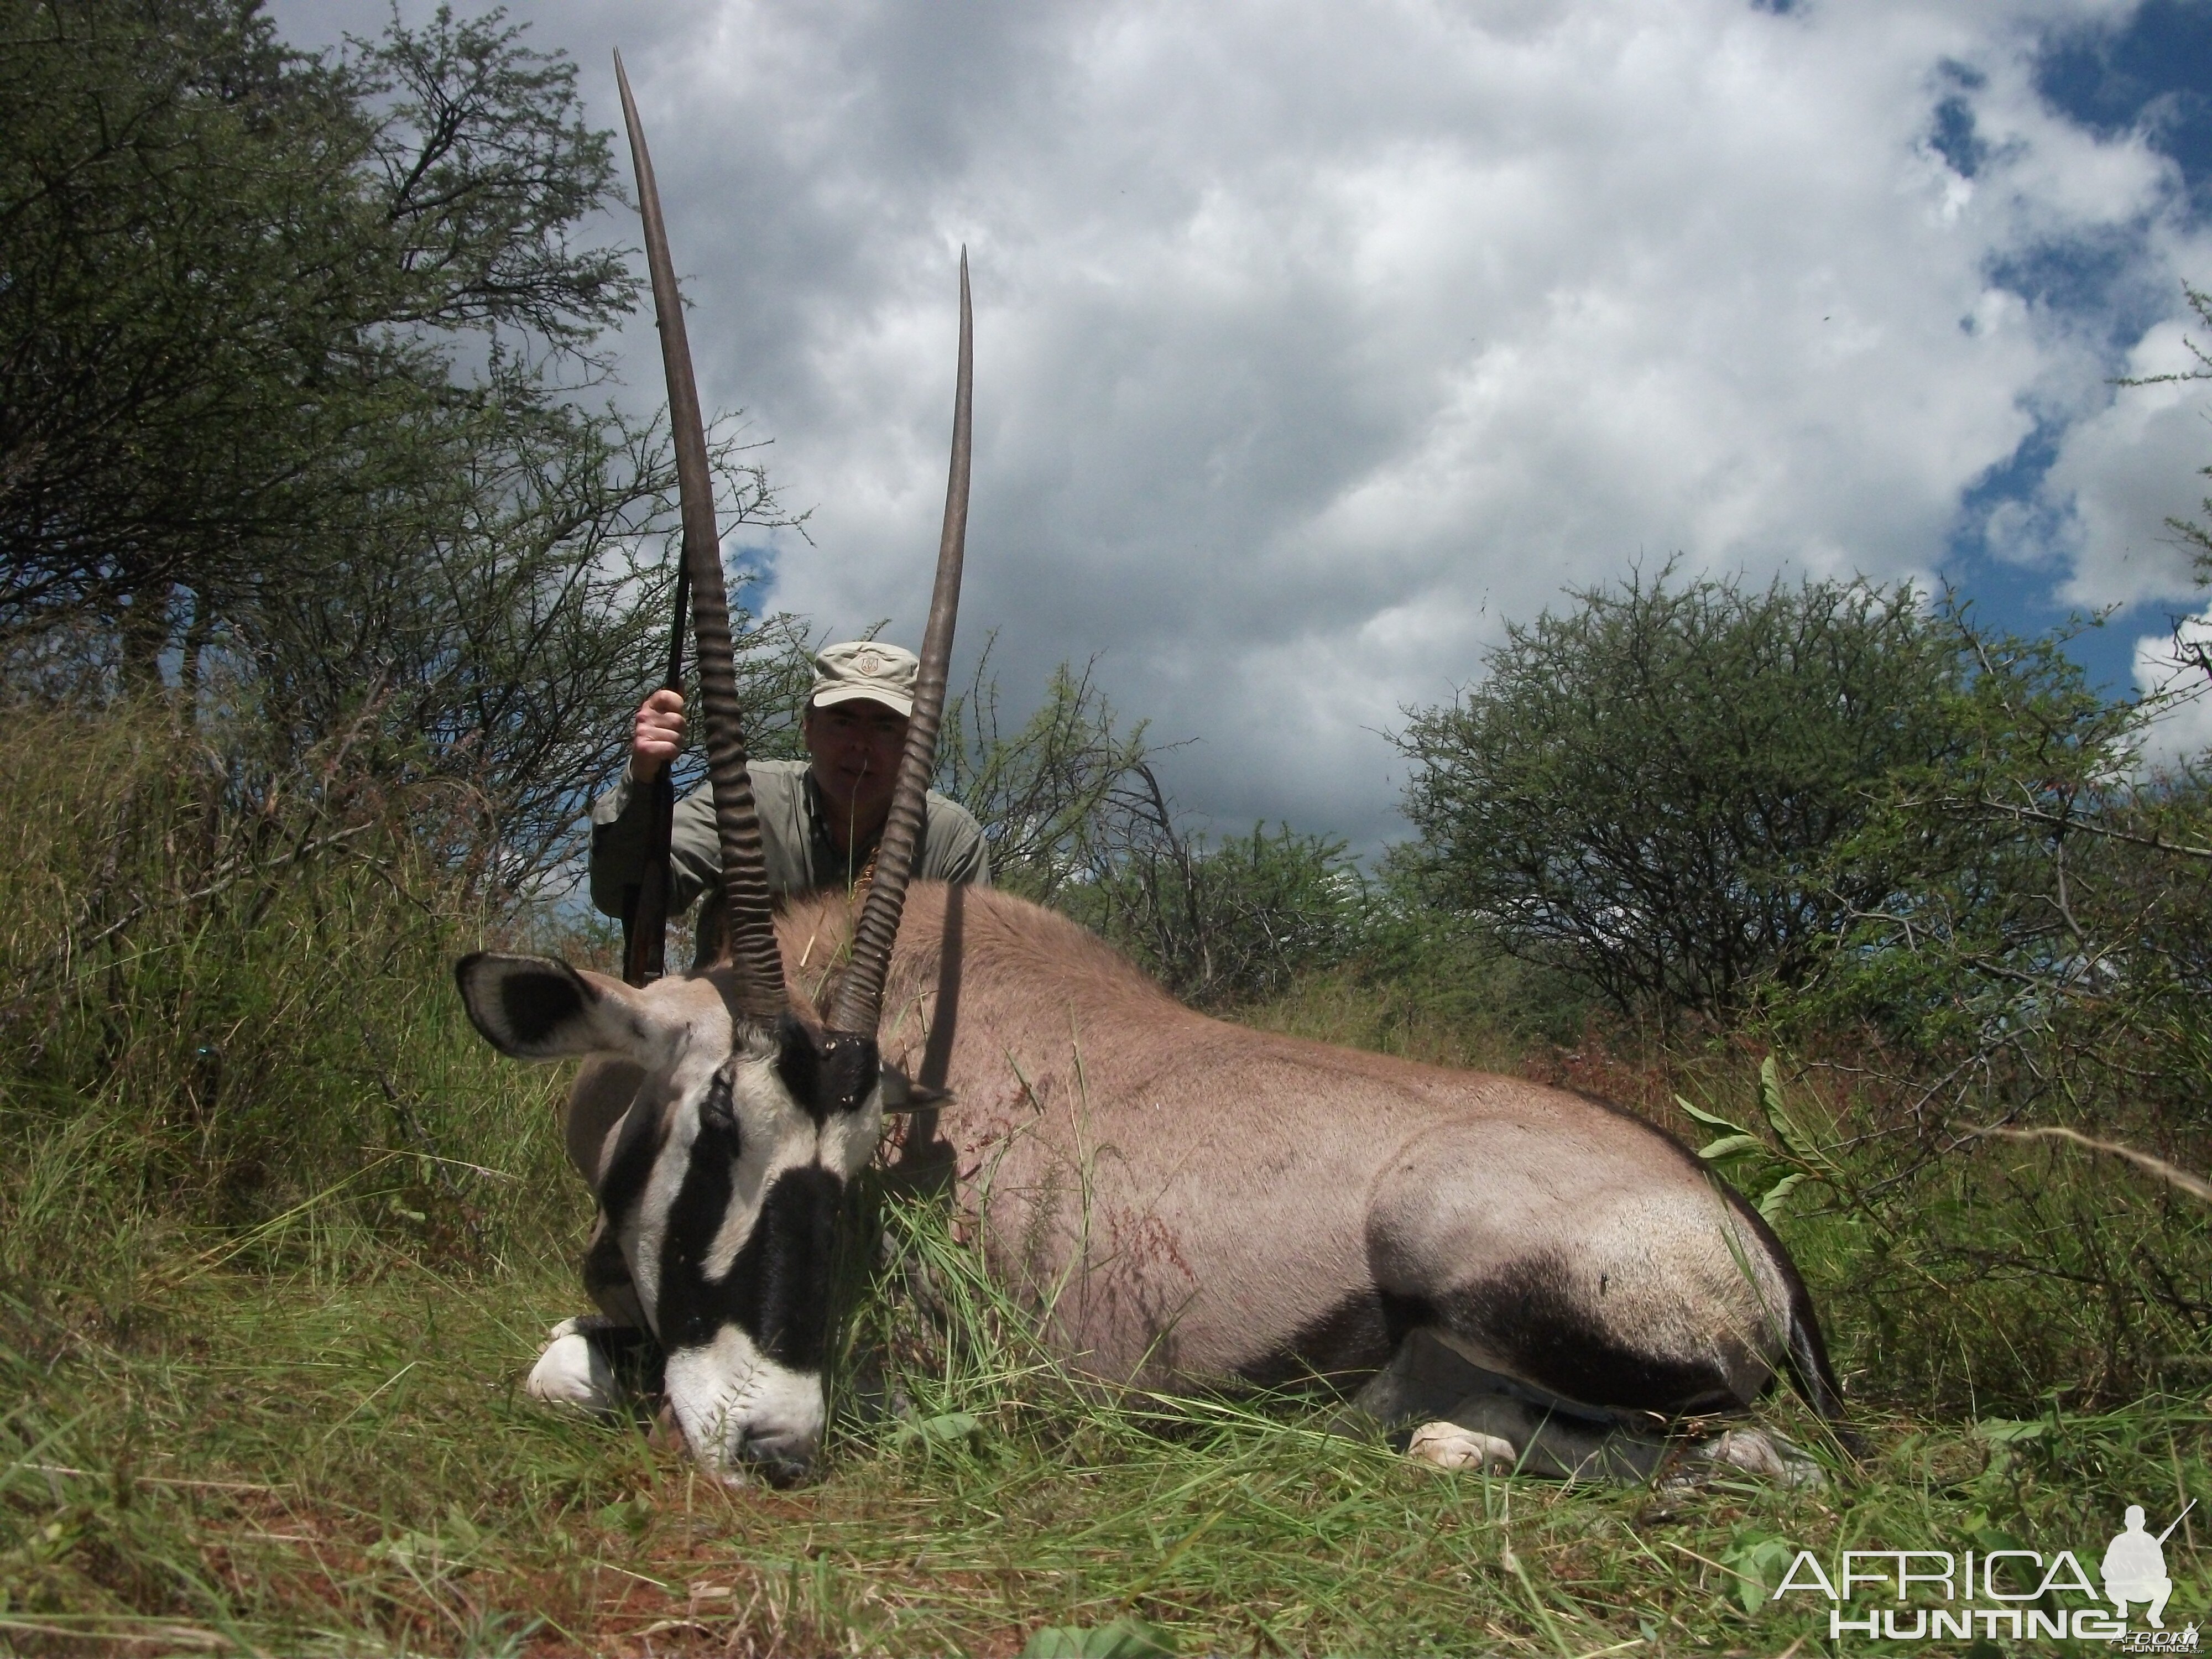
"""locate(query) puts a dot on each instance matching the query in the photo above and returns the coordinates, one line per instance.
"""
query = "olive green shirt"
(794, 833)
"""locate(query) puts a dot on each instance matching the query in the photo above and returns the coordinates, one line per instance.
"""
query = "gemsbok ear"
(538, 1008)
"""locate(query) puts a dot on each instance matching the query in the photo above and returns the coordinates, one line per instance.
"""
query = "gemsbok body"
(1189, 1203)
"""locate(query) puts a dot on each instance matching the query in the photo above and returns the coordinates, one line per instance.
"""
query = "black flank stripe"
(1344, 1344)
(1532, 1315)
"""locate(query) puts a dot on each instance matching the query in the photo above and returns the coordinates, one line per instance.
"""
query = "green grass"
(283, 1463)
(279, 1239)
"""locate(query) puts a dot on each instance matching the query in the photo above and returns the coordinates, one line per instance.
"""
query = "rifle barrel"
(2186, 1508)
(645, 931)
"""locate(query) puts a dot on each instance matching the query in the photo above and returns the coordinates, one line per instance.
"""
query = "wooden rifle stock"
(644, 920)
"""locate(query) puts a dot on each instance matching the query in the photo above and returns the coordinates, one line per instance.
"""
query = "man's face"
(856, 747)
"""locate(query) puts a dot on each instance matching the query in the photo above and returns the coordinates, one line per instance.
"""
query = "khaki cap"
(865, 668)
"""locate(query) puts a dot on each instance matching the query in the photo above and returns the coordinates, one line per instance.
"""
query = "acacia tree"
(2044, 937)
(296, 371)
(2049, 939)
(235, 278)
(169, 180)
(1650, 789)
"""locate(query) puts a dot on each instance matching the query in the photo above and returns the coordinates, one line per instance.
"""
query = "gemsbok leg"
(1605, 1307)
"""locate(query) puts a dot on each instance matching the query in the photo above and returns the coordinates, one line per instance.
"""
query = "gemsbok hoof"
(1448, 1446)
(1753, 1451)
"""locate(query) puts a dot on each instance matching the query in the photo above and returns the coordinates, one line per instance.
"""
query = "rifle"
(2186, 1508)
(645, 908)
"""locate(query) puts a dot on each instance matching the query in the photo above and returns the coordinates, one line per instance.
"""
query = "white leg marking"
(1448, 1446)
(573, 1372)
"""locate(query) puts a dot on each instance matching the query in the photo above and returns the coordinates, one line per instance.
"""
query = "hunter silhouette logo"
(1997, 1592)
(2134, 1568)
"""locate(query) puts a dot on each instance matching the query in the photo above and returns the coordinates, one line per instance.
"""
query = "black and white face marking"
(725, 1204)
(722, 1188)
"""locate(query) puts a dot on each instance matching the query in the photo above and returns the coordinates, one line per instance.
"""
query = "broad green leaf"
(1770, 1085)
(1778, 1114)
(1779, 1195)
(1759, 1564)
(1727, 1147)
(1707, 1118)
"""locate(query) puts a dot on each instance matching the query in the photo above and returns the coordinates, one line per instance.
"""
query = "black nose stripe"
(777, 1289)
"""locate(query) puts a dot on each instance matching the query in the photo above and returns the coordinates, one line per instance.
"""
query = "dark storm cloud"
(1314, 341)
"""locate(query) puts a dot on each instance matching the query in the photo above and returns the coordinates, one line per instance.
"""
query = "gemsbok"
(1545, 1281)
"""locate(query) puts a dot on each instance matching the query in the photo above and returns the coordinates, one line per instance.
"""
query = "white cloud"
(2123, 472)
(2173, 664)
(1315, 340)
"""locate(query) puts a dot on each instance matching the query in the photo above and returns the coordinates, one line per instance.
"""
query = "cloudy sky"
(1315, 342)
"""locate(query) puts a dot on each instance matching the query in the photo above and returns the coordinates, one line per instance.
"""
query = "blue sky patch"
(2147, 73)
(2151, 73)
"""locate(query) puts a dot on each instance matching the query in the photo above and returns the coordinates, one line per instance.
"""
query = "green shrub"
(1656, 789)
(231, 1023)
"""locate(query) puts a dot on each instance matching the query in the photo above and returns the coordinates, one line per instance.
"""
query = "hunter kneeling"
(820, 818)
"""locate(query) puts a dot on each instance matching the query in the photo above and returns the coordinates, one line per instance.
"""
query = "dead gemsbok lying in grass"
(1550, 1281)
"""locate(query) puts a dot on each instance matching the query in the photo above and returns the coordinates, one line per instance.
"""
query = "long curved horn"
(860, 993)
(749, 941)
